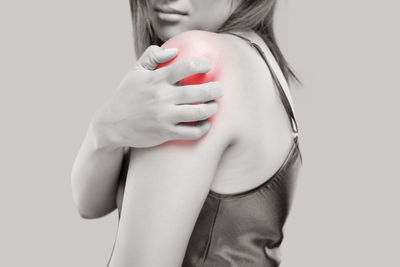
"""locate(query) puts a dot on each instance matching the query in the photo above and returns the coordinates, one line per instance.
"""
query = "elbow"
(80, 203)
(88, 215)
(88, 207)
(86, 211)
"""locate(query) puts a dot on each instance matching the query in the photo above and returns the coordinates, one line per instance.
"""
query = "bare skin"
(128, 121)
(270, 134)
(166, 185)
(135, 116)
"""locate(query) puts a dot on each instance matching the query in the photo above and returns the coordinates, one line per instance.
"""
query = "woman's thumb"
(154, 55)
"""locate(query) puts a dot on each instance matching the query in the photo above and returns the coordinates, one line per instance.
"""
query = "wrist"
(99, 136)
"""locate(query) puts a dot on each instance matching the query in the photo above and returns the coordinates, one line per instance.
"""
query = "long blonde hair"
(256, 15)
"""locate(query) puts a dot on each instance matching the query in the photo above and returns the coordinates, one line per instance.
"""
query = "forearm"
(94, 176)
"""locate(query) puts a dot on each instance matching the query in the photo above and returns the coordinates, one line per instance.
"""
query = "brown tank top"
(246, 229)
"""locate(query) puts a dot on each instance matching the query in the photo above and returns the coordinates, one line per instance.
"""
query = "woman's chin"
(167, 31)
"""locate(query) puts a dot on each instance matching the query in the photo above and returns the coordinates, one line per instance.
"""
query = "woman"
(222, 199)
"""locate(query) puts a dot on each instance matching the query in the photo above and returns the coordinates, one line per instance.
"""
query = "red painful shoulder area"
(197, 43)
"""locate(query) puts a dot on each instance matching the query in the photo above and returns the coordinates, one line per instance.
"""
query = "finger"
(154, 55)
(185, 68)
(190, 132)
(188, 113)
(198, 93)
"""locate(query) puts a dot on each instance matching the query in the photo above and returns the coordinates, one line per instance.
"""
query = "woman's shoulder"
(219, 45)
(248, 83)
(251, 88)
(231, 56)
(250, 113)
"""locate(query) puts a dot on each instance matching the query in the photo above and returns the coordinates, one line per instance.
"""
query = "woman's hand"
(147, 108)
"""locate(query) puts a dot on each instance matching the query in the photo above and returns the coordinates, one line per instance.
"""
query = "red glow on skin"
(189, 46)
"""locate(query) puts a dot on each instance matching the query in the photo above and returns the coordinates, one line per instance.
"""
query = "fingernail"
(171, 50)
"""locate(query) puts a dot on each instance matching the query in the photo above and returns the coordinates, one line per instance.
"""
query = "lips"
(170, 10)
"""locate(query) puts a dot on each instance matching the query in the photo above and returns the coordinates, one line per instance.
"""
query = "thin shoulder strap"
(282, 94)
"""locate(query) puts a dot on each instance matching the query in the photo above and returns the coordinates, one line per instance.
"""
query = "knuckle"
(153, 48)
(184, 94)
(149, 51)
(201, 112)
(168, 132)
(153, 60)
(152, 51)
(206, 93)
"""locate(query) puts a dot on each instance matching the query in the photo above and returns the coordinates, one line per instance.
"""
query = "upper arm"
(167, 185)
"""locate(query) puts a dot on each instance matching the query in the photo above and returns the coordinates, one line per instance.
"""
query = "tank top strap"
(282, 94)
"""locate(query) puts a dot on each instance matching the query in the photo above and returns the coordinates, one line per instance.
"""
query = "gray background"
(60, 60)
